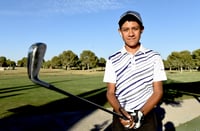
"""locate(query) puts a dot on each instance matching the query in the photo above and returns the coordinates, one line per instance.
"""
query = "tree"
(174, 60)
(22, 62)
(11, 64)
(47, 64)
(167, 65)
(3, 61)
(56, 62)
(196, 57)
(68, 59)
(88, 59)
(102, 62)
(186, 59)
(180, 60)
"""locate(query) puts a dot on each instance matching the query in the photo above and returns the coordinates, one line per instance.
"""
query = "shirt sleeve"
(109, 75)
(159, 70)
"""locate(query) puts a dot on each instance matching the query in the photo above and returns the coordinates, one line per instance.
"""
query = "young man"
(134, 78)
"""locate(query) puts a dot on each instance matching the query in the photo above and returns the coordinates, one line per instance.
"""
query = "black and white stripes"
(134, 77)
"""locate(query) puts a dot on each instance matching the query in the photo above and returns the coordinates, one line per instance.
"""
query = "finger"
(125, 122)
(126, 127)
(124, 113)
(131, 125)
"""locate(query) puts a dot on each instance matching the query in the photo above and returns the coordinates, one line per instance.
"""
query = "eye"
(135, 28)
(125, 29)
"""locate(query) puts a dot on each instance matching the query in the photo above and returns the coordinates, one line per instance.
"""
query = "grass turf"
(17, 91)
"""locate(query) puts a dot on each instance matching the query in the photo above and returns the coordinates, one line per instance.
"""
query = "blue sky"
(77, 25)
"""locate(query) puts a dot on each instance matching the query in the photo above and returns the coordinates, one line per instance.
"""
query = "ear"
(142, 30)
(120, 32)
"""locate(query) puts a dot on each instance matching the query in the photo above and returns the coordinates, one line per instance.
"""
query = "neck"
(132, 49)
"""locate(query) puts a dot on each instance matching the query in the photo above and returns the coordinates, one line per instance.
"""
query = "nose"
(131, 33)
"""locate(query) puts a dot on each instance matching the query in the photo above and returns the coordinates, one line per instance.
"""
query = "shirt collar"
(141, 49)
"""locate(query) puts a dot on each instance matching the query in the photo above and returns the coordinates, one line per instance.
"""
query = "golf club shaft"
(35, 59)
(51, 87)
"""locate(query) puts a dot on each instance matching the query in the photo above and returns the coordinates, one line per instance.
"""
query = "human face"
(131, 33)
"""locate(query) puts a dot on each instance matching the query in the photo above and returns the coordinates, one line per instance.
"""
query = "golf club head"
(35, 58)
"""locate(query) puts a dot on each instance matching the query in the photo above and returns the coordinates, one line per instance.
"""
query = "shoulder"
(116, 54)
(150, 52)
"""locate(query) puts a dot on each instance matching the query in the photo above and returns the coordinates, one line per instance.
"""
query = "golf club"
(35, 58)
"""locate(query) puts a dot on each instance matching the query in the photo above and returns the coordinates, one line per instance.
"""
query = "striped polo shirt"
(134, 76)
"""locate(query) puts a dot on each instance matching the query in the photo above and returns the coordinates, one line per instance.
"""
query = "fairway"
(20, 97)
(16, 90)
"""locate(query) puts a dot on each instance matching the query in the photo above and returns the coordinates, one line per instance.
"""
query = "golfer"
(134, 78)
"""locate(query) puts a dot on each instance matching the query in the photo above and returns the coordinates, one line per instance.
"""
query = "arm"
(116, 105)
(110, 79)
(154, 99)
(111, 97)
(159, 76)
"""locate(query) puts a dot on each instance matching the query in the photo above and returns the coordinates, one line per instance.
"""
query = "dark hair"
(130, 18)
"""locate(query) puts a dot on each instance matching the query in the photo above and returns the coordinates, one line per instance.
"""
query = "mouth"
(131, 38)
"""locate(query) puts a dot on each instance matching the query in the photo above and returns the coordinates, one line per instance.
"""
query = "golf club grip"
(51, 87)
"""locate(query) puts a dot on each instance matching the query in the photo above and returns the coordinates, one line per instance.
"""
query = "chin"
(132, 45)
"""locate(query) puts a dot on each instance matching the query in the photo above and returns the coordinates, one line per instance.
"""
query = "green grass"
(192, 125)
(17, 91)
(184, 76)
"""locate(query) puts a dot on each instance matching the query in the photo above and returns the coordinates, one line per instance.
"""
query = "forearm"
(113, 101)
(154, 99)
(151, 103)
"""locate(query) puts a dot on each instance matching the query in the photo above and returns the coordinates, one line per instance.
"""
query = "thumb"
(124, 113)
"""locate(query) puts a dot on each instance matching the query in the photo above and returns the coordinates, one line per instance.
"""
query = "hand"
(138, 118)
(129, 123)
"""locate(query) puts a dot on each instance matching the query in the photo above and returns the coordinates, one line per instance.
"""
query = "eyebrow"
(130, 27)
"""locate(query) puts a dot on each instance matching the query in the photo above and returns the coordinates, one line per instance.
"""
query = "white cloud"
(43, 7)
(82, 6)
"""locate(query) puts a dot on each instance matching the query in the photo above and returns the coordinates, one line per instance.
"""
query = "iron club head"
(35, 58)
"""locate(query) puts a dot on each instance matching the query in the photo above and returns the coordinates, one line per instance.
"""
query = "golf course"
(27, 106)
